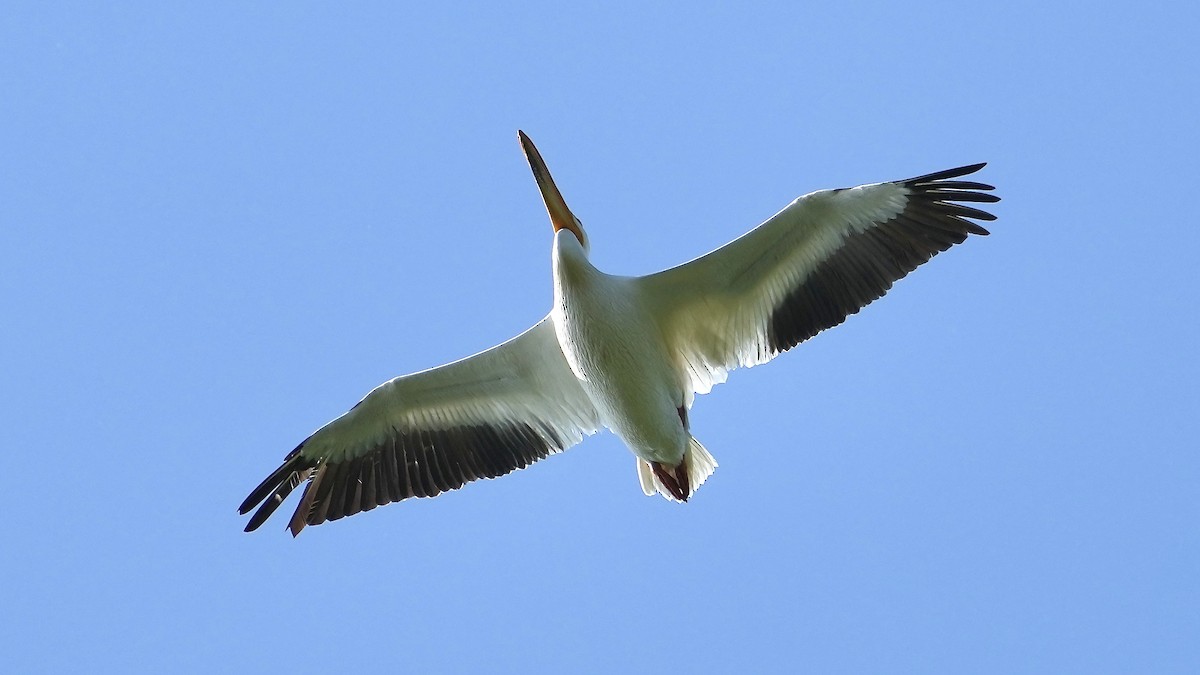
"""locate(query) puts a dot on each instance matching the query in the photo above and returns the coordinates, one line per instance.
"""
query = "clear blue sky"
(220, 227)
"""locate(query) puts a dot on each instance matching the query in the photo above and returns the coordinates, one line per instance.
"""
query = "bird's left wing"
(823, 257)
(422, 434)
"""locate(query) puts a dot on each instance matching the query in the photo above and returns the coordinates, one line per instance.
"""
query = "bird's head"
(560, 216)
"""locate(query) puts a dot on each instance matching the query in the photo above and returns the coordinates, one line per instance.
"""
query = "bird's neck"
(571, 264)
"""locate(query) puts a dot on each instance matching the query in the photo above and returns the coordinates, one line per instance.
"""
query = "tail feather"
(700, 463)
(645, 476)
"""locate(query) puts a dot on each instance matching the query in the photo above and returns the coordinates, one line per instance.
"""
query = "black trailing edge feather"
(868, 262)
(416, 463)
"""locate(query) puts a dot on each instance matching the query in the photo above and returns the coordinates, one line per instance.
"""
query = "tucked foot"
(674, 479)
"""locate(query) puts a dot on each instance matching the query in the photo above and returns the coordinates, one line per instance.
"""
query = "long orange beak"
(560, 216)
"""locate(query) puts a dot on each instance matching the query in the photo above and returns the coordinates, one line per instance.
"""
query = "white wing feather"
(525, 379)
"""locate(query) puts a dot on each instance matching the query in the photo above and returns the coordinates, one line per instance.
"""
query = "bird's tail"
(698, 464)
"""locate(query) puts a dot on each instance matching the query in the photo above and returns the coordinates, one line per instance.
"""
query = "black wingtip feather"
(942, 175)
(962, 185)
(962, 195)
(293, 462)
(277, 497)
(867, 263)
(300, 517)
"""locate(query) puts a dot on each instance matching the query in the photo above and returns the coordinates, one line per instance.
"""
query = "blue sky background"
(220, 227)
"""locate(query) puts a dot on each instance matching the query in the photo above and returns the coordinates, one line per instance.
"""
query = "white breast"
(614, 347)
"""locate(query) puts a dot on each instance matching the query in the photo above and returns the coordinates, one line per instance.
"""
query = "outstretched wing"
(436, 430)
(807, 268)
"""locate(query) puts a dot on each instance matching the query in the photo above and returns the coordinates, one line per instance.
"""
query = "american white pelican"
(626, 353)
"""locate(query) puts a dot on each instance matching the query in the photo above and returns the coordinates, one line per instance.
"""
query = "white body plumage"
(615, 349)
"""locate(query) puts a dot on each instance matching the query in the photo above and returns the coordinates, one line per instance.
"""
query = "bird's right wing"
(436, 430)
(820, 259)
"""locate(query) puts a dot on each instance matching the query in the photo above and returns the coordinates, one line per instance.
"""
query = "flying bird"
(625, 353)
